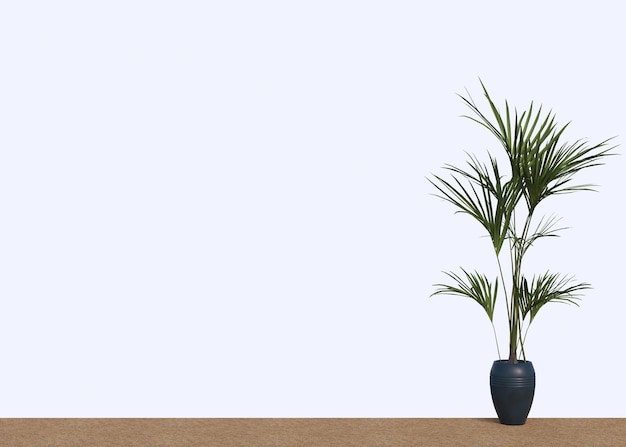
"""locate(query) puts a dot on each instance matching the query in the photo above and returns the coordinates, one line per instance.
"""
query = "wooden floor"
(309, 432)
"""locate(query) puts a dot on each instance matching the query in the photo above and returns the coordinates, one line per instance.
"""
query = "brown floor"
(309, 432)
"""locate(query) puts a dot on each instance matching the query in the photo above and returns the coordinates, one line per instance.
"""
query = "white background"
(220, 209)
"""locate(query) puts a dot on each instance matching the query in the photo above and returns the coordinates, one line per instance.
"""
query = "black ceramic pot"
(512, 390)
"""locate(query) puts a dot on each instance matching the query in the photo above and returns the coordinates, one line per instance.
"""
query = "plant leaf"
(539, 162)
(475, 286)
(546, 288)
(479, 192)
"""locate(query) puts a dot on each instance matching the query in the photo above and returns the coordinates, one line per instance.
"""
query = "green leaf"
(546, 288)
(479, 192)
(545, 228)
(475, 286)
(539, 161)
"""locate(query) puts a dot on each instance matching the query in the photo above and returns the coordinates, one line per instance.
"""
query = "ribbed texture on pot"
(513, 381)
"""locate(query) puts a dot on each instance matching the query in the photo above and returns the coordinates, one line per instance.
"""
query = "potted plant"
(504, 200)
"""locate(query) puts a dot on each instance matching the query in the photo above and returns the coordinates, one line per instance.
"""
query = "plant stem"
(497, 344)
(506, 295)
(526, 333)
(515, 326)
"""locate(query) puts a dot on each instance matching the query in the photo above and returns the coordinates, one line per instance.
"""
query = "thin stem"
(506, 295)
(510, 308)
(525, 333)
(511, 249)
(521, 342)
(516, 327)
(506, 298)
(497, 344)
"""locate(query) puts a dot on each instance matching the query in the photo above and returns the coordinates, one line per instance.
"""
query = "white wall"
(219, 209)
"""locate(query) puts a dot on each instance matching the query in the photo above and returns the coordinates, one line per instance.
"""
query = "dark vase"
(512, 390)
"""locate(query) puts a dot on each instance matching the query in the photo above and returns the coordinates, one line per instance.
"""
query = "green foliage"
(484, 197)
(476, 287)
(546, 288)
(540, 166)
(539, 162)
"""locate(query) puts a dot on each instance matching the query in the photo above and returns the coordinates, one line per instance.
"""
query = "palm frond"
(475, 286)
(482, 195)
(546, 227)
(541, 164)
(546, 288)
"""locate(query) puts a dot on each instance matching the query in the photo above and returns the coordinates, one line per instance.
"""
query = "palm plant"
(540, 166)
